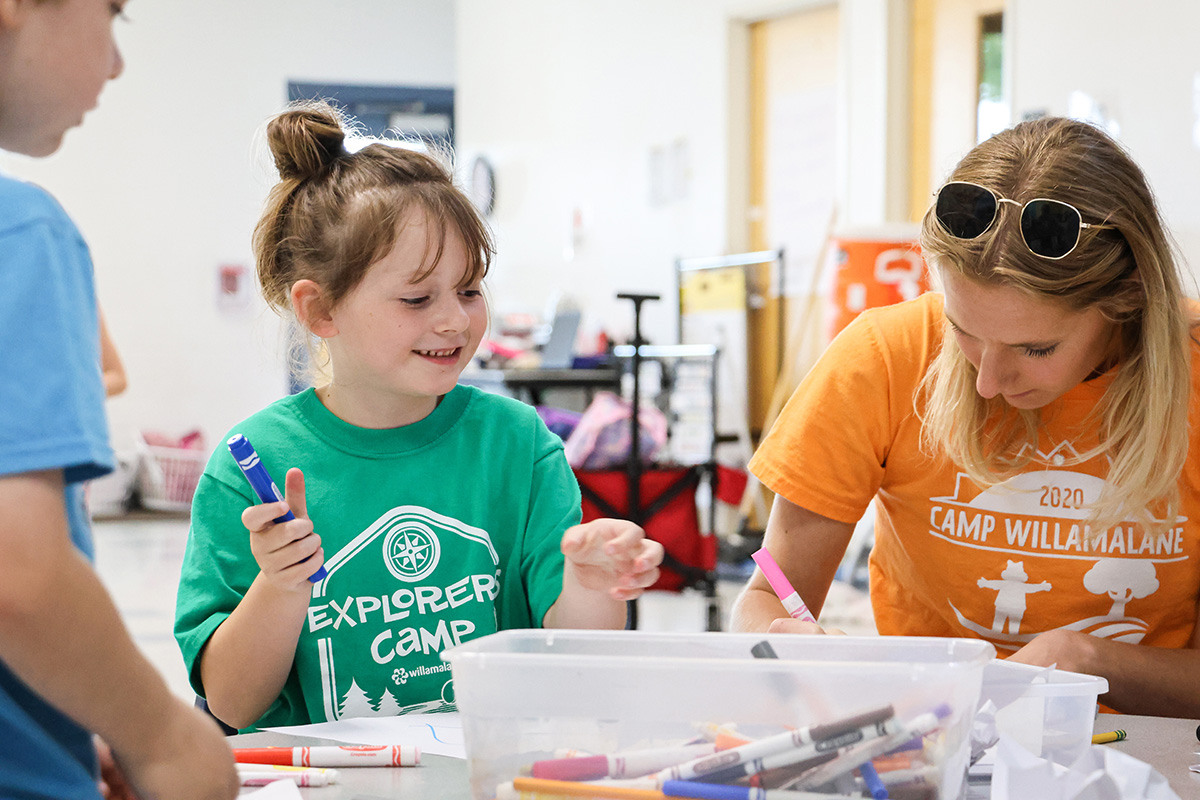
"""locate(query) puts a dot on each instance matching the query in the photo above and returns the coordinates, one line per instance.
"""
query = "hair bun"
(306, 140)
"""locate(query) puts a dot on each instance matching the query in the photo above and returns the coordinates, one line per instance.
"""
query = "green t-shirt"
(434, 533)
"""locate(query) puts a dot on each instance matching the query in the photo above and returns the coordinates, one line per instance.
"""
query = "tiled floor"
(139, 559)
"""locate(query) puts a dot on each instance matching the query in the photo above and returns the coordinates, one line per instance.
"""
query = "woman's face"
(1028, 349)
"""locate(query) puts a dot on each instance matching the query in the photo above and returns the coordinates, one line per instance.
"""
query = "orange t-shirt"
(1003, 564)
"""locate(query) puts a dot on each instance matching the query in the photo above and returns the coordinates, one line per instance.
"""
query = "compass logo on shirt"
(411, 550)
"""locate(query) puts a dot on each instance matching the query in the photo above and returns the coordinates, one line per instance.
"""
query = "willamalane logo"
(402, 675)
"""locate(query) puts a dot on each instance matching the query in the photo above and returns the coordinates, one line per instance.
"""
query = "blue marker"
(260, 481)
(871, 779)
(715, 791)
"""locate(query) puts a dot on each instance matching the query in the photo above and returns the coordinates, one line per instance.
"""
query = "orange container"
(874, 269)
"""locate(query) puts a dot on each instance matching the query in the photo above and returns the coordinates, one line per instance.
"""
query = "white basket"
(168, 476)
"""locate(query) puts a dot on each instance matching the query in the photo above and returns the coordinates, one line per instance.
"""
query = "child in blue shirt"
(67, 664)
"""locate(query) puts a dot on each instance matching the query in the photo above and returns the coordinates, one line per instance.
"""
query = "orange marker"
(728, 740)
(579, 789)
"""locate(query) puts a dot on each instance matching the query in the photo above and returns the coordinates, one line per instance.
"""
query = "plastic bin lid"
(1040, 680)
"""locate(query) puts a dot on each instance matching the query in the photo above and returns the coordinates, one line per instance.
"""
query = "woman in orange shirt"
(1024, 433)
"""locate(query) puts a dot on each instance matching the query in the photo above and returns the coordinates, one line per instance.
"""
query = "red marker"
(396, 755)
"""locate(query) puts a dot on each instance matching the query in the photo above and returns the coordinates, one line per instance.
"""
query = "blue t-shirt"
(52, 413)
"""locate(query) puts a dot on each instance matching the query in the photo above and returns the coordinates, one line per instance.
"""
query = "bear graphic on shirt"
(1011, 591)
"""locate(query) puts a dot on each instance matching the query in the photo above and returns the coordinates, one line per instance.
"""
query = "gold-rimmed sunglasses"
(1050, 228)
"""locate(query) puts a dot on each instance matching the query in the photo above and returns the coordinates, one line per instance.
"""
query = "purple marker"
(848, 760)
(803, 757)
(783, 749)
(246, 458)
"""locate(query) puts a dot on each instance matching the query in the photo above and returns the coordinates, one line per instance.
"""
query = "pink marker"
(630, 764)
(787, 595)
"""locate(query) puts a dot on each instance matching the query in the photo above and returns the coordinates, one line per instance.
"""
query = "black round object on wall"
(483, 185)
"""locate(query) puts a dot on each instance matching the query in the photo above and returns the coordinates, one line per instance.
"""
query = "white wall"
(568, 99)
(1141, 62)
(873, 186)
(166, 183)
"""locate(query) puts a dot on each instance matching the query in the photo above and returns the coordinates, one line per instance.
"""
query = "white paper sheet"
(276, 790)
(436, 734)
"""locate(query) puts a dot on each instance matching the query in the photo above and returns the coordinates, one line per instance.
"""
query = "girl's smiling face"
(1027, 349)
(400, 342)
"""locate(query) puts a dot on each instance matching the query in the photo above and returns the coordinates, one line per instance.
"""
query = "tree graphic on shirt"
(355, 703)
(1122, 580)
(389, 706)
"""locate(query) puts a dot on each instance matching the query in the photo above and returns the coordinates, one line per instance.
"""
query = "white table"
(437, 777)
(1166, 743)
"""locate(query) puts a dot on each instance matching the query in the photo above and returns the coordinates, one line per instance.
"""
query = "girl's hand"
(613, 556)
(289, 552)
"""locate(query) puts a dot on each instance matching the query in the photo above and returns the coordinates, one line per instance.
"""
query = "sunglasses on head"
(1050, 228)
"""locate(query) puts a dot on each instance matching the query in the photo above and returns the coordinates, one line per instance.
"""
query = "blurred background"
(622, 135)
(616, 146)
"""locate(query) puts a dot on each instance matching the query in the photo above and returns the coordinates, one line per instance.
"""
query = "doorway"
(792, 149)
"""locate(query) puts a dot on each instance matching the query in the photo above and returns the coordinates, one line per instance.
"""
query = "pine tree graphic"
(389, 706)
(355, 703)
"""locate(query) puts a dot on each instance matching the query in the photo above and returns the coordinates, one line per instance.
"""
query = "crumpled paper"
(1003, 683)
(983, 730)
(1101, 773)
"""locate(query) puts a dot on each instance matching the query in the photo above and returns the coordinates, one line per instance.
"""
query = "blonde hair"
(334, 213)
(1128, 273)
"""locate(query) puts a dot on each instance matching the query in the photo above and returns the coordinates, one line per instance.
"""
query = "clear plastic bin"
(526, 694)
(1052, 717)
